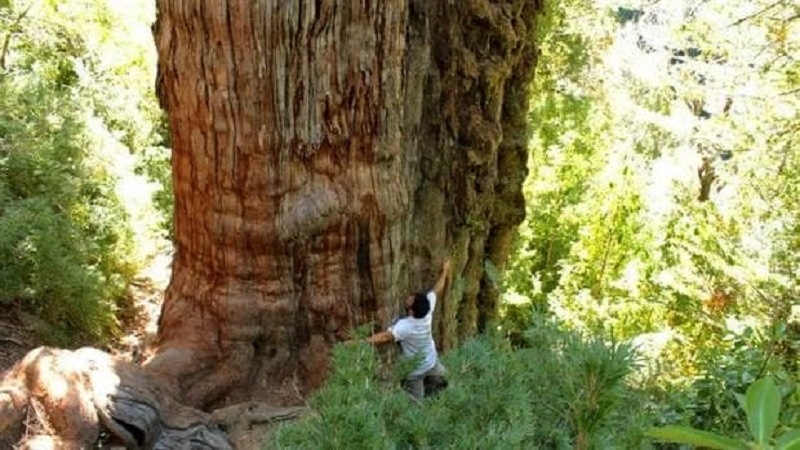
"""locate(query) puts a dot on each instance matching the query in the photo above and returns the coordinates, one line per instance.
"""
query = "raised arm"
(438, 288)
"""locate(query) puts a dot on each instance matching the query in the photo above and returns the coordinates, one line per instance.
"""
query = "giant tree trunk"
(326, 156)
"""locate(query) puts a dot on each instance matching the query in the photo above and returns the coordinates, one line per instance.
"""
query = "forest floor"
(20, 332)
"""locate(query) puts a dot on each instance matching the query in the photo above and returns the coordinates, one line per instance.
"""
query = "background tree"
(326, 156)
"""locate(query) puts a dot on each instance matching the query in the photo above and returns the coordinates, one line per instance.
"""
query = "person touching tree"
(415, 337)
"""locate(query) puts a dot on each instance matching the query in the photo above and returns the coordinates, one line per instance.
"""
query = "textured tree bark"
(326, 156)
(66, 398)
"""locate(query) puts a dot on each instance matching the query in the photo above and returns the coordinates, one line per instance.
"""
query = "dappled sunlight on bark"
(68, 397)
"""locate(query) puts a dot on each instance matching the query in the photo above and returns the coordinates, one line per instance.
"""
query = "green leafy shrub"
(762, 407)
(583, 383)
(72, 222)
(559, 392)
(707, 400)
(64, 239)
(154, 162)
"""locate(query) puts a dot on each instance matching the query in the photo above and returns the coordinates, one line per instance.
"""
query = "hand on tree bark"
(438, 288)
(446, 266)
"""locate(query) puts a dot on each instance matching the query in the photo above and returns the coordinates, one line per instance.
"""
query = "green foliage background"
(634, 96)
(79, 127)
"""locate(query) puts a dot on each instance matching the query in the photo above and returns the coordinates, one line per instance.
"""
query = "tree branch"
(793, 91)
(7, 42)
(755, 14)
(12, 340)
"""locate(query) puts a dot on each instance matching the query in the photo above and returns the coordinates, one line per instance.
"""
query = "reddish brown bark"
(66, 398)
(326, 156)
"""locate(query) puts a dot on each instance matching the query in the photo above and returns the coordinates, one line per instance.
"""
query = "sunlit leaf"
(762, 405)
(686, 435)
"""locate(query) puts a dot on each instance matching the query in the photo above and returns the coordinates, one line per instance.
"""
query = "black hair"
(421, 305)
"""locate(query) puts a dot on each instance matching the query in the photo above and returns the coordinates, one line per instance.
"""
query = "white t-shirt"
(415, 338)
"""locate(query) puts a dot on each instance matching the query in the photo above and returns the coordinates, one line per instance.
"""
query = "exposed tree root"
(65, 399)
(238, 419)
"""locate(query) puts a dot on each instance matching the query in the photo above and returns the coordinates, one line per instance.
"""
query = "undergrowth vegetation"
(558, 391)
